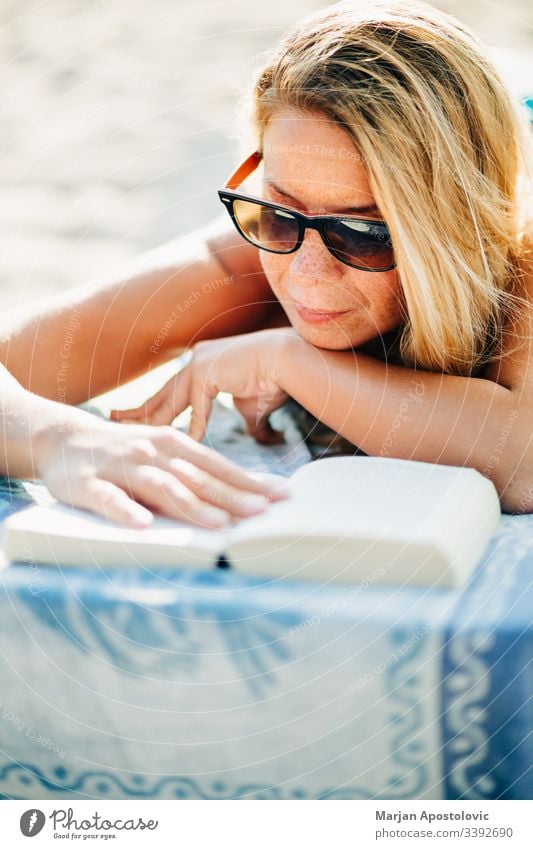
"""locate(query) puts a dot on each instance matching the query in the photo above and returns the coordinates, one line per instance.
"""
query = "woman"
(385, 282)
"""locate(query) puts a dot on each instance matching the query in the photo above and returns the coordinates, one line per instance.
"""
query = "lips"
(322, 312)
(313, 315)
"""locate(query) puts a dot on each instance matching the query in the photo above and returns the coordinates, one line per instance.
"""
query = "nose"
(313, 263)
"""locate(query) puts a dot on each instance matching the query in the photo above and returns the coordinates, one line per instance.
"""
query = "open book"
(421, 523)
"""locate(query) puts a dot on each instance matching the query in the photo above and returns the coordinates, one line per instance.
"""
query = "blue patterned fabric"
(181, 684)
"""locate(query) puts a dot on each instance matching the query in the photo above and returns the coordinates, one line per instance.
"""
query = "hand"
(108, 468)
(247, 366)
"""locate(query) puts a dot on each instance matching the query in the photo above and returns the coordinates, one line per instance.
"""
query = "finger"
(174, 398)
(212, 490)
(202, 403)
(164, 414)
(145, 409)
(138, 414)
(264, 433)
(163, 407)
(111, 501)
(177, 444)
(258, 425)
(161, 490)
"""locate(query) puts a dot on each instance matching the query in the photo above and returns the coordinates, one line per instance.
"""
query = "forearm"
(26, 420)
(87, 341)
(390, 410)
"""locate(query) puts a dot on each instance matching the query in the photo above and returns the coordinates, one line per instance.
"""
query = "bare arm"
(24, 417)
(390, 410)
(93, 338)
(398, 412)
(106, 467)
(385, 409)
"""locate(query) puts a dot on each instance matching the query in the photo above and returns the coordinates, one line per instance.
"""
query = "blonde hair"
(447, 155)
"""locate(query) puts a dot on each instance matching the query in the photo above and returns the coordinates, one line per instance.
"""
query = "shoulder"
(525, 238)
(521, 279)
(512, 362)
(237, 256)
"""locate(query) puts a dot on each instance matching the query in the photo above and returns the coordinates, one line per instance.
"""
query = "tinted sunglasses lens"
(273, 229)
(360, 243)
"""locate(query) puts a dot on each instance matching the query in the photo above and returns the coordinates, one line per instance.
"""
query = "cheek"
(376, 301)
(385, 294)
(275, 267)
(378, 294)
(394, 296)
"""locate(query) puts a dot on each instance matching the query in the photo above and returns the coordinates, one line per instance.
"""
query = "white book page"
(371, 496)
(64, 521)
(323, 501)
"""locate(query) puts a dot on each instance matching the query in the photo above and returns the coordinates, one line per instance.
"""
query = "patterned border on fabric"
(480, 663)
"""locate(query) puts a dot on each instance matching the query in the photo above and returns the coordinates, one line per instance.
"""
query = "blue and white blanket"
(180, 684)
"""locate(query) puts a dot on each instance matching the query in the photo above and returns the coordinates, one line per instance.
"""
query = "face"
(312, 165)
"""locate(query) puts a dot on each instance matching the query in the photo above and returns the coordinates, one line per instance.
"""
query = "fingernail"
(276, 485)
(140, 515)
(254, 503)
(279, 489)
(214, 516)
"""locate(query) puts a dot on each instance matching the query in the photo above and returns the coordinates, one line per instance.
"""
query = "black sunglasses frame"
(313, 222)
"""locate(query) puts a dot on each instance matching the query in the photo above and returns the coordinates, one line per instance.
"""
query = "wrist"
(279, 353)
(55, 426)
(286, 356)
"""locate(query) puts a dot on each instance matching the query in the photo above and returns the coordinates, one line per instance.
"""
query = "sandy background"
(118, 121)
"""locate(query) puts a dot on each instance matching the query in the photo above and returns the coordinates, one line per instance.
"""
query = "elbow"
(511, 463)
(516, 492)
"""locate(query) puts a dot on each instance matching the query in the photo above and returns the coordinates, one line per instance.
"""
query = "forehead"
(314, 159)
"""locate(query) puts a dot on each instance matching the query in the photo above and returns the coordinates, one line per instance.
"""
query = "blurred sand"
(118, 121)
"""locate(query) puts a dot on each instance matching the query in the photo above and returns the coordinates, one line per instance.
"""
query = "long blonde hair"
(446, 151)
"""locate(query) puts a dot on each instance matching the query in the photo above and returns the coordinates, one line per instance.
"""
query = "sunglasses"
(358, 242)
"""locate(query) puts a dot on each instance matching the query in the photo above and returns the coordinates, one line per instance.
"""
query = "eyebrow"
(358, 209)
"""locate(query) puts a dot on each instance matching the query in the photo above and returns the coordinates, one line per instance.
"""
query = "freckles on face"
(311, 164)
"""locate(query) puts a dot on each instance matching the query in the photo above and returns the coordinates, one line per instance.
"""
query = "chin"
(326, 339)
